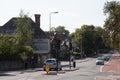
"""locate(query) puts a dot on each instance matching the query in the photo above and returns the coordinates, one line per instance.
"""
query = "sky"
(72, 14)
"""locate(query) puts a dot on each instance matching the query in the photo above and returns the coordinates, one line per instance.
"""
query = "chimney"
(37, 19)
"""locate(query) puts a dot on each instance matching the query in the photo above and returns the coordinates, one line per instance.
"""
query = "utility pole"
(50, 20)
(81, 45)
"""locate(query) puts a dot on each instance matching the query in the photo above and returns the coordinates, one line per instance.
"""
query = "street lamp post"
(81, 45)
(50, 19)
(55, 35)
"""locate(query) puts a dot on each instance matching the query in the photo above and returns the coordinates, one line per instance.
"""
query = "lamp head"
(55, 12)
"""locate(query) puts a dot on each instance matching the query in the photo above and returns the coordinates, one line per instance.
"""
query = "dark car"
(106, 58)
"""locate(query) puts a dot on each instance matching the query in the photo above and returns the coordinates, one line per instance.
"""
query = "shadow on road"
(6, 74)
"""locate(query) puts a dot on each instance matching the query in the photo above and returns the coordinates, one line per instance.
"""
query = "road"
(86, 70)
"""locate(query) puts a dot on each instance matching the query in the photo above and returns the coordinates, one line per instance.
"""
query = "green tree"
(24, 36)
(99, 41)
(8, 48)
(24, 29)
(112, 24)
(17, 47)
(60, 30)
(88, 38)
(76, 37)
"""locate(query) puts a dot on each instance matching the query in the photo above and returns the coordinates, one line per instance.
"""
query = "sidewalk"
(65, 69)
(113, 66)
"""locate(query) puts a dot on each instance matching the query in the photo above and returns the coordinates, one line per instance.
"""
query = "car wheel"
(44, 69)
(96, 63)
(60, 69)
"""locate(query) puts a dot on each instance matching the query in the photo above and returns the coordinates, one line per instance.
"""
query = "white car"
(100, 61)
(52, 64)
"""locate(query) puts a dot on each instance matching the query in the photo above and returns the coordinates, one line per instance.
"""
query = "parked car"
(100, 61)
(106, 58)
(52, 64)
(111, 52)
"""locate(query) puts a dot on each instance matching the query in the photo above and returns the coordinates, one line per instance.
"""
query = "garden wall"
(11, 65)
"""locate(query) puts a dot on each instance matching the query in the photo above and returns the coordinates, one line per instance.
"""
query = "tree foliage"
(17, 47)
(60, 30)
(24, 36)
(112, 24)
(8, 48)
(24, 29)
(88, 38)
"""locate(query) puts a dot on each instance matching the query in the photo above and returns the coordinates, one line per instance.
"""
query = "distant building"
(40, 41)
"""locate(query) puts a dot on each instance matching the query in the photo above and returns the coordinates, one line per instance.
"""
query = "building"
(40, 41)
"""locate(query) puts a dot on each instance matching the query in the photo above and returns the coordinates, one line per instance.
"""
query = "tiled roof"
(10, 28)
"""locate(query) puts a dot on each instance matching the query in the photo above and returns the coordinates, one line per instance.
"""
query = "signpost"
(41, 46)
(47, 69)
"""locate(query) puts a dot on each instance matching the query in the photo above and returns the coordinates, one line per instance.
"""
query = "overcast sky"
(72, 13)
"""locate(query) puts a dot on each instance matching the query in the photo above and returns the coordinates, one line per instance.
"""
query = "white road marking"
(25, 79)
(103, 66)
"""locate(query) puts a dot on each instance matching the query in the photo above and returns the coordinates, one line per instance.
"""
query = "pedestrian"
(72, 58)
(26, 65)
(74, 64)
(33, 64)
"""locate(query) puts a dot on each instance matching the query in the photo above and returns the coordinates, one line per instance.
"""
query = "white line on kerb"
(103, 66)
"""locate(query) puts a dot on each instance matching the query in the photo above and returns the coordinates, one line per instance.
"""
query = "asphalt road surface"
(85, 70)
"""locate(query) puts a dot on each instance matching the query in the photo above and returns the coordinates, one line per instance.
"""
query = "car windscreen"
(50, 61)
(99, 58)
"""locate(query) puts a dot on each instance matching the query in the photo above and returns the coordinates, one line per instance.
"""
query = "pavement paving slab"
(113, 66)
